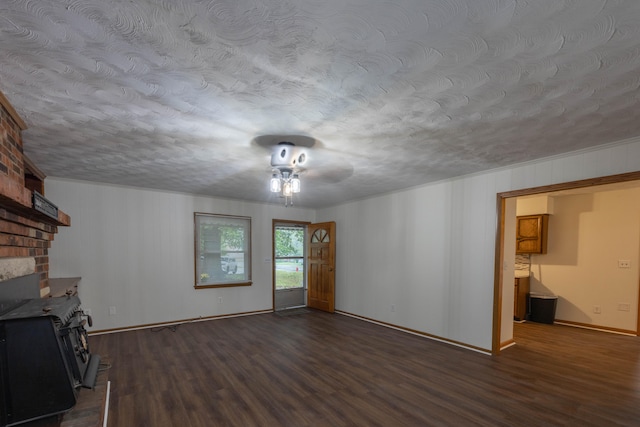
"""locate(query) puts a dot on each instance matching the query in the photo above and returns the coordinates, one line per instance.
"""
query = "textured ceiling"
(179, 94)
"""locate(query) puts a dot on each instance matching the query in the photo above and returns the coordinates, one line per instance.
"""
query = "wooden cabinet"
(521, 292)
(531, 234)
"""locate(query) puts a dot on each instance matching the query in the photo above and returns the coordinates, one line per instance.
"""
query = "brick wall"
(24, 238)
(11, 156)
(23, 232)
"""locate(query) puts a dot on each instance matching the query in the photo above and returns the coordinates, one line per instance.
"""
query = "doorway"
(289, 264)
(500, 306)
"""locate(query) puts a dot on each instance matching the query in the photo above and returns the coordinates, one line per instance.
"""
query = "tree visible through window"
(289, 254)
(222, 250)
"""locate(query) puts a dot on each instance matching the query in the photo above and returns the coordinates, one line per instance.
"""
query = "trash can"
(542, 308)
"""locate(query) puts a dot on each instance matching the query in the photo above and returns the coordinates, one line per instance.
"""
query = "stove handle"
(88, 319)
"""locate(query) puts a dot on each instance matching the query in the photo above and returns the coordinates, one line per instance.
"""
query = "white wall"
(134, 250)
(588, 234)
(430, 250)
(535, 205)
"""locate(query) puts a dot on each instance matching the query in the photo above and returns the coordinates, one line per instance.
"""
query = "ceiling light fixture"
(285, 178)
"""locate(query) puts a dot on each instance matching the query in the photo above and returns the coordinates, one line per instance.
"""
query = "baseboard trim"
(506, 344)
(596, 327)
(177, 322)
(418, 333)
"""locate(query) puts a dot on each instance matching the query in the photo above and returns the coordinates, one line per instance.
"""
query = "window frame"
(199, 254)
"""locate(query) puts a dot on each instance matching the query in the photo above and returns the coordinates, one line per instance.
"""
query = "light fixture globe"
(287, 189)
(274, 184)
(295, 183)
(285, 178)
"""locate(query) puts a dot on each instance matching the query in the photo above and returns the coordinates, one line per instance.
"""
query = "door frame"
(274, 223)
(498, 285)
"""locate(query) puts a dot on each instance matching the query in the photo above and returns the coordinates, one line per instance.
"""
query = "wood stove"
(44, 357)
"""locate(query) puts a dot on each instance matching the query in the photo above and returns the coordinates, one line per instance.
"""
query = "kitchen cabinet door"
(531, 234)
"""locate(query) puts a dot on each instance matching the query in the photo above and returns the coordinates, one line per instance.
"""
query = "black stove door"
(34, 376)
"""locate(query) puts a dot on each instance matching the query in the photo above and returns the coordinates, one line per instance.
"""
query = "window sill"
(223, 285)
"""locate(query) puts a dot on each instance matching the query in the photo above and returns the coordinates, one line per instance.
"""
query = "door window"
(289, 257)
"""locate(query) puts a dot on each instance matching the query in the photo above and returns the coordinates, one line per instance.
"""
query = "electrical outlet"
(393, 308)
(219, 300)
(596, 309)
(624, 307)
(624, 263)
(112, 311)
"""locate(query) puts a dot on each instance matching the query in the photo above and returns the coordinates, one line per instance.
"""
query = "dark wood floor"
(319, 369)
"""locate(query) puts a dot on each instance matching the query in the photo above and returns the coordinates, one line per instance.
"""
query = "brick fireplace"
(25, 233)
